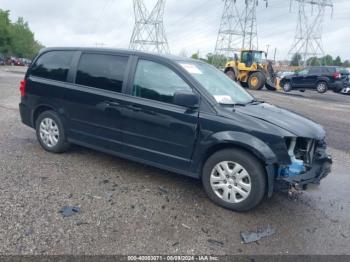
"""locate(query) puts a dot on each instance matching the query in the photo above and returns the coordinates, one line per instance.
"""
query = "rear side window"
(102, 71)
(330, 70)
(316, 71)
(53, 65)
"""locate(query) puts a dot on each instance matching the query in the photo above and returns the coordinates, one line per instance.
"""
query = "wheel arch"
(39, 110)
(231, 145)
(244, 141)
(322, 80)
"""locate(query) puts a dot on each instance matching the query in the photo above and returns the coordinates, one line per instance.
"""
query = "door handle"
(107, 104)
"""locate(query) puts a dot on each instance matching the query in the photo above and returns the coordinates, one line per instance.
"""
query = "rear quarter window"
(331, 70)
(53, 65)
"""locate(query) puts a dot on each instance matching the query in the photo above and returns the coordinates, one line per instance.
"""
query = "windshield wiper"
(234, 104)
(256, 102)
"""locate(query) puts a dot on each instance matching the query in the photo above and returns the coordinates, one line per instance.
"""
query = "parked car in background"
(346, 90)
(282, 74)
(321, 78)
(14, 61)
(2, 61)
(25, 61)
(174, 113)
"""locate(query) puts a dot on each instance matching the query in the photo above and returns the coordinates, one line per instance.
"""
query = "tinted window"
(315, 70)
(330, 69)
(102, 71)
(157, 82)
(53, 65)
(304, 72)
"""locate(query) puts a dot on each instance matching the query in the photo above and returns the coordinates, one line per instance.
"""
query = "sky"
(191, 26)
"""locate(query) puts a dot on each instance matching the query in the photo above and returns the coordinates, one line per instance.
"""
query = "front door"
(300, 79)
(154, 128)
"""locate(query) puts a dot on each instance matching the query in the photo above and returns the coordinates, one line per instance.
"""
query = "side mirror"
(186, 99)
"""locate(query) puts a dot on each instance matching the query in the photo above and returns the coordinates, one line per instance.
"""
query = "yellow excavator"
(251, 71)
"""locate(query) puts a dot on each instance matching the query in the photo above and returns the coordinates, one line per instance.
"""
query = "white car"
(346, 90)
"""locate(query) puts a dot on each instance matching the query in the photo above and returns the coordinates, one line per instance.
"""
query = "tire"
(322, 87)
(287, 87)
(237, 159)
(231, 74)
(256, 81)
(50, 132)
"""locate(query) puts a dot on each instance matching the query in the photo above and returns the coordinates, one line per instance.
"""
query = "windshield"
(221, 87)
(252, 57)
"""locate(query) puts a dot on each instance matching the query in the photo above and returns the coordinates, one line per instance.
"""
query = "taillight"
(337, 75)
(22, 87)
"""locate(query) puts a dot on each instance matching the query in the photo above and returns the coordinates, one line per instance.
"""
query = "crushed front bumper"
(315, 172)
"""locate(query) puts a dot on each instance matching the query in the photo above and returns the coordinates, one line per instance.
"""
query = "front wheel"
(234, 179)
(256, 81)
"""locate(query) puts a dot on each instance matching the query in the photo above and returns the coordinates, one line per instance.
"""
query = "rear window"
(53, 65)
(102, 71)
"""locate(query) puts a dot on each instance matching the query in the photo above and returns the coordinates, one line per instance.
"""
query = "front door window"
(157, 82)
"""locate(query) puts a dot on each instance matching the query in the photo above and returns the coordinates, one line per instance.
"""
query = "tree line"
(327, 60)
(16, 38)
(220, 60)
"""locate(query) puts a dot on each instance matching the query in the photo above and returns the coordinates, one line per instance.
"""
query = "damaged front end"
(310, 163)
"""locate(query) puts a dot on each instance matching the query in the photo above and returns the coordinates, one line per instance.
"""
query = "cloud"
(190, 25)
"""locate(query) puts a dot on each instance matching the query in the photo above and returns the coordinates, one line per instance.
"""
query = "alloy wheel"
(49, 132)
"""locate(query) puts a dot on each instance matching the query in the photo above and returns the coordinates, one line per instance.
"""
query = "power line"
(238, 29)
(149, 33)
(308, 38)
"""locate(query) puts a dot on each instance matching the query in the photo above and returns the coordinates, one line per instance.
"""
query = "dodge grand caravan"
(173, 113)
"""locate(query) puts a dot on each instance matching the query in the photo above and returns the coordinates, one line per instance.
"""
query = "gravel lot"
(128, 208)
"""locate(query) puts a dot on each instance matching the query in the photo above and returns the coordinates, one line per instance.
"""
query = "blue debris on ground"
(68, 211)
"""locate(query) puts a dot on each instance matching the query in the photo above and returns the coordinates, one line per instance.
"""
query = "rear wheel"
(51, 133)
(256, 81)
(234, 179)
(322, 87)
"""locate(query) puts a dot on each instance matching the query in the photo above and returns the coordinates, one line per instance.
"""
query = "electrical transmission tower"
(238, 29)
(149, 33)
(308, 38)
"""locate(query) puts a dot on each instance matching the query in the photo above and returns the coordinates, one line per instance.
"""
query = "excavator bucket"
(270, 77)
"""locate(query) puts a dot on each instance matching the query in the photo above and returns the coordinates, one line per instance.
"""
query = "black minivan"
(174, 113)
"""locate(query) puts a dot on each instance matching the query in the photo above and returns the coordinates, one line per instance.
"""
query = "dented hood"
(294, 123)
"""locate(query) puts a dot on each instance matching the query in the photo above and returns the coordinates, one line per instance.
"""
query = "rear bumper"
(26, 115)
(337, 85)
